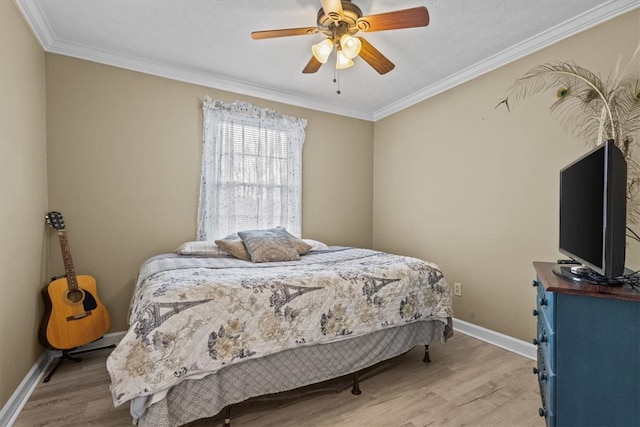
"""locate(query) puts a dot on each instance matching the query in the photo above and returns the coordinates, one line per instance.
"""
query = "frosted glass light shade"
(350, 46)
(322, 50)
(342, 61)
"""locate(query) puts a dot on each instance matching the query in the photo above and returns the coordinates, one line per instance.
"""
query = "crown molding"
(37, 22)
(582, 22)
(195, 77)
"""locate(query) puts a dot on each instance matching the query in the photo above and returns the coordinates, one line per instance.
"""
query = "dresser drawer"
(547, 382)
(588, 367)
(545, 340)
(544, 305)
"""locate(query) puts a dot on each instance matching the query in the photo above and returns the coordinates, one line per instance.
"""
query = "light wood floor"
(468, 383)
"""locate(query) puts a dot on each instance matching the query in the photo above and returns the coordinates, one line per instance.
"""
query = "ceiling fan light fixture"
(350, 46)
(340, 21)
(322, 50)
(342, 61)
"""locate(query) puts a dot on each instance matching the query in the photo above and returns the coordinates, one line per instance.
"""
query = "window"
(251, 170)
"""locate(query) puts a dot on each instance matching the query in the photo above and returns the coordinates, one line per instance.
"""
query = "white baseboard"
(506, 342)
(19, 398)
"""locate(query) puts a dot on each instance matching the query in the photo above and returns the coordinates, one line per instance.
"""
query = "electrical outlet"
(457, 289)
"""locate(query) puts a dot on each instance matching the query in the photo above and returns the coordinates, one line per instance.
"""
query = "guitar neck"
(69, 270)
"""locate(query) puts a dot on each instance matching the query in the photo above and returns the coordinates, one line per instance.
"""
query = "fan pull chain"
(336, 74)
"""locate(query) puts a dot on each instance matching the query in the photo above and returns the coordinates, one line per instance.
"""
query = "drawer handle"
(543, 301)
(541, 375)
(542, 412)
(535, 283)
(543, 339)
(535, 312)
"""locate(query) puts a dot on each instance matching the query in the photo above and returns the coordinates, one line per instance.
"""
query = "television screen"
(593, 210)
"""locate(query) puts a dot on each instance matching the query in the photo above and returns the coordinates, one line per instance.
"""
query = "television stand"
(589, 278)
(588, 348)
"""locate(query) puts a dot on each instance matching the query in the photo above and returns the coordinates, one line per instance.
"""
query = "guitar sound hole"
(75, 296)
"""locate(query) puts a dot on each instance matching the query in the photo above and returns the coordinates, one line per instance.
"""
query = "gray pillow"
(301, 245)
(270, 245)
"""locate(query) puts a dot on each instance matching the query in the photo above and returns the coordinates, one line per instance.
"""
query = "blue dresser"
(588, 340)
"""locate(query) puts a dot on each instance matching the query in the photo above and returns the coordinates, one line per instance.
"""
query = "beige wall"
(23, 197)
(453, 180)
(475, 189)
(124, 167)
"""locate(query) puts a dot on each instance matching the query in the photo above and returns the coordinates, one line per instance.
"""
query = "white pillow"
(316, 245)
(201, 248)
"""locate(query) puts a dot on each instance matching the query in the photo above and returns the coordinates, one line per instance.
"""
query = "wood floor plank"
(468, 383)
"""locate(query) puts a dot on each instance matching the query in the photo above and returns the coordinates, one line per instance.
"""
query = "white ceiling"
(208, 42)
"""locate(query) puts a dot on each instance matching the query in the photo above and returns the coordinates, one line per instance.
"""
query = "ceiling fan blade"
(312, 66)
(406, 18)
(333, 9)
(285, 32)
(373, 57)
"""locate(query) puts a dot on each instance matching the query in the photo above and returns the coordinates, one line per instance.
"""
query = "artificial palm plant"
(592, 109)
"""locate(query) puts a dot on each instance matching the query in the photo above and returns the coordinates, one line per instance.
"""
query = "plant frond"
(552, 76)
(591, 109)
(633, 199)
(626, 106)
(621, 74)
(566, 78)
(579, 118)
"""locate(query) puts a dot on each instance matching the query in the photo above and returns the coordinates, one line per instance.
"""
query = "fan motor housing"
(347, 25)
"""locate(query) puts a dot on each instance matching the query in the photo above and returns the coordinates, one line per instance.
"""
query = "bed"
(206, 332)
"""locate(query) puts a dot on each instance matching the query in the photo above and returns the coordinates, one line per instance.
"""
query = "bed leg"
(356, 384)
(227, 416)
(426, 359)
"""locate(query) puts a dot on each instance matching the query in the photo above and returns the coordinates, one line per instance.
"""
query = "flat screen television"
(593, 210)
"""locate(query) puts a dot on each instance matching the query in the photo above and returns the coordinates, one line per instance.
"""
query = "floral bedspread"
(192, 316)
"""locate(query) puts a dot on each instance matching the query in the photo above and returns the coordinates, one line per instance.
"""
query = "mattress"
(193, 318)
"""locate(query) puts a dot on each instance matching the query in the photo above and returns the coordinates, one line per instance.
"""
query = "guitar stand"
(68, 355)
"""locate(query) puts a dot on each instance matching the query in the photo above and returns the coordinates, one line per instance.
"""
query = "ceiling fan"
(339, 20)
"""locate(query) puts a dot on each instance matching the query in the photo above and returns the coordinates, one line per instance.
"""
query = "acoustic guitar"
(74, 315)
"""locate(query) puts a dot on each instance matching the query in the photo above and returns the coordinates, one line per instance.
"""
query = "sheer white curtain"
(251, 170)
